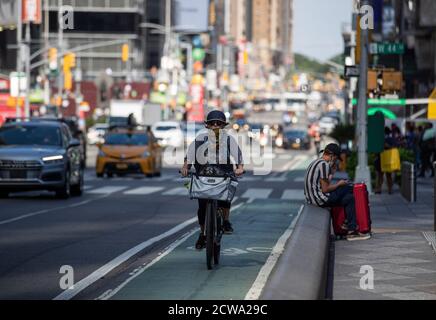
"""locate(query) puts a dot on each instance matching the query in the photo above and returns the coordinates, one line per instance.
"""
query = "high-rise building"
(102, 21)
(268, 25)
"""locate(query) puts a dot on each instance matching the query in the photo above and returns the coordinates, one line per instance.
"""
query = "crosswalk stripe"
(87, 187)
(257, 193)
(293, 194)
(276, 179)
(299, 179)
(108, 189)
(143, 190)
(250, 179)
(176, 192)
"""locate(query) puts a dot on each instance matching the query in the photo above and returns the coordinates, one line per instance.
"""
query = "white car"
(169, 134)
(96, 133)
(327, 124)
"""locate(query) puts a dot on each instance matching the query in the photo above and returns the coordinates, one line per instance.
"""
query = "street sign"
(386, 48)
(383, 102)
(18, 83)
(352, 71)
(431, 114)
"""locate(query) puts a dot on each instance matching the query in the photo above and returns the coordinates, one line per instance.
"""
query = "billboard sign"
(191, 15)
(196, 112)
(32, 11)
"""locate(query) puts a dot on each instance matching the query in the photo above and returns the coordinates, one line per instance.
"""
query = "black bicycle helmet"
(216, 115)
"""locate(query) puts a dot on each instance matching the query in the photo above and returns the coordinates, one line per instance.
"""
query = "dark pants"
(202, 205)
(426, 156)
(344, 197)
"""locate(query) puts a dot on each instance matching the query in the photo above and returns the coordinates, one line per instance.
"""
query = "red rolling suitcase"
(338, 219)
(363, 215)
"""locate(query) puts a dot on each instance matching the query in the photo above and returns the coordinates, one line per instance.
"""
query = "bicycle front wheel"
(210, 232)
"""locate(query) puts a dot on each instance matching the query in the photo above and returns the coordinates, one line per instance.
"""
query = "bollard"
(408, 181)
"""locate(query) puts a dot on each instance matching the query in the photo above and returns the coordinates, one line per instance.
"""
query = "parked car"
(327, 124)
(169, 134)
(96, 133)
(38, 154)
(296, 139)
(129, 150)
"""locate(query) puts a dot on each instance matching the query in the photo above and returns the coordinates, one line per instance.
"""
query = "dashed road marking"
(293, 194)
(143, 190)
(107, 190)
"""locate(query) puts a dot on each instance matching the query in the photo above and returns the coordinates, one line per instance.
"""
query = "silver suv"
(39, 155)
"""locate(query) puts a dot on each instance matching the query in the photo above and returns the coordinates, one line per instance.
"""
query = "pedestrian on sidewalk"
(390, 143)
(427, 145)
(320, 191)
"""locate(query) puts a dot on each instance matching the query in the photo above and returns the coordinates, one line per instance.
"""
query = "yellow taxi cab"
(128, 150)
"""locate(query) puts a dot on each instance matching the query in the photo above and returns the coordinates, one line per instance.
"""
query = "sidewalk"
(404, 263)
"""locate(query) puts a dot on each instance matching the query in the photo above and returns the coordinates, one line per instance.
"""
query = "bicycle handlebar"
(226, 175)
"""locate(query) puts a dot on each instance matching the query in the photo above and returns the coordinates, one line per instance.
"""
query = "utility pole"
(362, 171)
(19, 55)
(46, 46)
(26, 99)
(167, 51)
(60, 50)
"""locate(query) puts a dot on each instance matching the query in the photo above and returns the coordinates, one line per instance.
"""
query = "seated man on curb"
(320, 192)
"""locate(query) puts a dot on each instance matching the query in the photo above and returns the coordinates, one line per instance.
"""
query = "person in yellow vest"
(389, 144)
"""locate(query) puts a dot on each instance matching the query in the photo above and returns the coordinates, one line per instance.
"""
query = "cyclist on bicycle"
(211, 154)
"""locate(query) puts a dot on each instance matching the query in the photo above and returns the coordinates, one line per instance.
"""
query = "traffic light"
(53, 58)
(68, 80)
(125, 53)
(69, 61)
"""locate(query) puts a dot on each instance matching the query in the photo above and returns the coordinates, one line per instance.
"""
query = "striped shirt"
(318, 169)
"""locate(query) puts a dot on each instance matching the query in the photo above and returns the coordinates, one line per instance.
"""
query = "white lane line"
(88, 187)
(262, 277)
(293, 194)
(33, 214)
(104, 270)
(143, 190)
(110, 293)
(176, 192)
(255, 193)
(107, 190)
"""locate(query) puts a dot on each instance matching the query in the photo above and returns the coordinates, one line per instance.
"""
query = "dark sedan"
(40, 155)
(296, 139)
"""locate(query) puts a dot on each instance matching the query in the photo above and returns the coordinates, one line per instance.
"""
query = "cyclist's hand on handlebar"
(239, 172)
(184, 171)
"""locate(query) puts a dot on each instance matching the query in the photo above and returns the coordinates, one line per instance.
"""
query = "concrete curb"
(301, 271)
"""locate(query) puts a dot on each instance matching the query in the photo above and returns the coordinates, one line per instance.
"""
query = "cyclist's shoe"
(227, 227)
(201, 242)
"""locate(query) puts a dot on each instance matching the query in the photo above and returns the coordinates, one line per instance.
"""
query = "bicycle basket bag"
(213, 188)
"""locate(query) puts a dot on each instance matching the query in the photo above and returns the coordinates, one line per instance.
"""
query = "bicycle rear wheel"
(210, 232)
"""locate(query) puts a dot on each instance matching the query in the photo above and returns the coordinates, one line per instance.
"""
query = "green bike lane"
(180, 273)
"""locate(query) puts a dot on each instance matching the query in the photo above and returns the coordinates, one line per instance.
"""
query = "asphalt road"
(120, 226)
